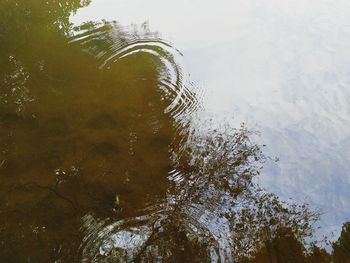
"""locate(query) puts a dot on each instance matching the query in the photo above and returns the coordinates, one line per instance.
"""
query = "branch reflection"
(107, 156)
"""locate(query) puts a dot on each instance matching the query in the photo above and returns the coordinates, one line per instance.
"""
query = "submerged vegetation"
(106, 157)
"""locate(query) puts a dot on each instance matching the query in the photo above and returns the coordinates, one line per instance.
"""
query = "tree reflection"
(284, 247)
(341, 248)
(108, 116)
(30, 32)
(75, 136)
(214, 211)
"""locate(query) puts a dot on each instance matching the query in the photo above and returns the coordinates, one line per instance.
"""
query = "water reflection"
(106, 157)
(280, 65)
(215, 213)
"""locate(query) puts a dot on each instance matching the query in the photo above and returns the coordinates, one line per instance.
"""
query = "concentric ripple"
(111, 43)
(212, 210)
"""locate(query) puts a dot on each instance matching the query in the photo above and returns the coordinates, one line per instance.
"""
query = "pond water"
(165, 131)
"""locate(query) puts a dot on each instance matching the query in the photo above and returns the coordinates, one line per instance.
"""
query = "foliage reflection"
(105, 156)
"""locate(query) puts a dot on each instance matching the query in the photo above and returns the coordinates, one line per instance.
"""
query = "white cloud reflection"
(281, 65)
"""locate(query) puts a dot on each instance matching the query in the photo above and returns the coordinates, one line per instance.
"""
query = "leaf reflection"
(106, 155)
(215, 212)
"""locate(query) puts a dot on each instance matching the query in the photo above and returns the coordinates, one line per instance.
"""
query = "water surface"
(280, 66)
(110, 152)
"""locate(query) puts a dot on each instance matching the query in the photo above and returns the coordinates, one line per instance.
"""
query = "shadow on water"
(106, 155)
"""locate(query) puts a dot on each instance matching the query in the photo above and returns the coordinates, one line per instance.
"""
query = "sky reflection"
(280, 66)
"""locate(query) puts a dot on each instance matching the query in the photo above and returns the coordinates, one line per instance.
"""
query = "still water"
(120, 146)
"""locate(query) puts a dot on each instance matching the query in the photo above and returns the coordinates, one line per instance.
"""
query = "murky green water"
(105, 155)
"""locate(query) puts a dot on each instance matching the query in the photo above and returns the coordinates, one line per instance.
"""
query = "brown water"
(106, 157)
